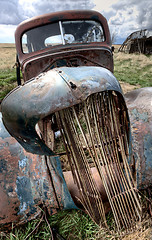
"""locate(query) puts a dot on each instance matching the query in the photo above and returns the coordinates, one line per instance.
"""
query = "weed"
(7, 81)
(133, 69)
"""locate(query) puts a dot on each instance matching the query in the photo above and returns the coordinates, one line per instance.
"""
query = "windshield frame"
(87, 25)
(55, 17)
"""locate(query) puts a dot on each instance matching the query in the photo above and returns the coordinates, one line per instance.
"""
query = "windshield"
(66, 32)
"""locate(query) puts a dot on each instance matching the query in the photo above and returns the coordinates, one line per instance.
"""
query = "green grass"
(74, 225)
(7, 81)
(68, 224)
(133, 69)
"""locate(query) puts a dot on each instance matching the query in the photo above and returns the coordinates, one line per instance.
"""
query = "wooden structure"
(138, 42)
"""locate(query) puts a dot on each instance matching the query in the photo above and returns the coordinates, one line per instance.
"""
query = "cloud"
(9, 12)
(58, 5)
(145, 14)
(7, 33)
(15, 11)
(130, 15)
(104, 5)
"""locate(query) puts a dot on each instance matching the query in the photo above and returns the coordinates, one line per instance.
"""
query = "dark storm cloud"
(145, 14)
(128, 16)
(9, 12)
(15, 11)
(59, 5)
(142, 16)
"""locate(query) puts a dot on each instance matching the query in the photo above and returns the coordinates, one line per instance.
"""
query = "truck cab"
(70, 38)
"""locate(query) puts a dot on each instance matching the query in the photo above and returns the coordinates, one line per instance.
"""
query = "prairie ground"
(133, 71)
(7, 56)
(7, 69)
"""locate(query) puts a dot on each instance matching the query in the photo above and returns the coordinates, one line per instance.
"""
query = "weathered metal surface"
(56, 17)
(17, 165)
(80, 54)
(97, 130)
(93, 56)
(50, 92)
(139, 103)
(28, 182)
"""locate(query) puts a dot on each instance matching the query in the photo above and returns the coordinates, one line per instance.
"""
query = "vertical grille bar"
(97, 130)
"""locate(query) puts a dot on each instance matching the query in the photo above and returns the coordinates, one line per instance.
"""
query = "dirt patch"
(126, 87)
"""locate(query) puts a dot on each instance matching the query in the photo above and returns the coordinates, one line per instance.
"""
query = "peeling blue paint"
(66, 197)
(148, 150)
(24, 193)
(146, 171)
(3, 164)
(23, 162)
(3, 132)
(140, 116)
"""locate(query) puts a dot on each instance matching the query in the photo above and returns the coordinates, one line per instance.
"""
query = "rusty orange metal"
(139, 103)
(29, 182)
(82, 54)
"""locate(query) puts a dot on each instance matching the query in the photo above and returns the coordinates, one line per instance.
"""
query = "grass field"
(133, 71)
(7, 70)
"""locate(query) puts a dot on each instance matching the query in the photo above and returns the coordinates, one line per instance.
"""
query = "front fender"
(139, 103)
(26, 184)
(47, 93)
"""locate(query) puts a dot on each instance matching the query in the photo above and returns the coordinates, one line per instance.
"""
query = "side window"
(41, 37)
(24, 44)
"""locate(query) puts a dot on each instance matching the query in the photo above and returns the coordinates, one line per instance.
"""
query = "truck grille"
(96, 133)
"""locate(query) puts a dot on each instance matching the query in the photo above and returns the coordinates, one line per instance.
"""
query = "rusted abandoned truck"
(66, 137)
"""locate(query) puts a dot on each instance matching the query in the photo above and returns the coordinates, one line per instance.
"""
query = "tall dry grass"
(140, 60)
(7, 56)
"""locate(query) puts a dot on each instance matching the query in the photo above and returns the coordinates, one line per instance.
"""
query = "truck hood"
(49, 92)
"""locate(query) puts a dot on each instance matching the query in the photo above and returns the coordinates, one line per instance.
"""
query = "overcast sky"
(124, 16)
